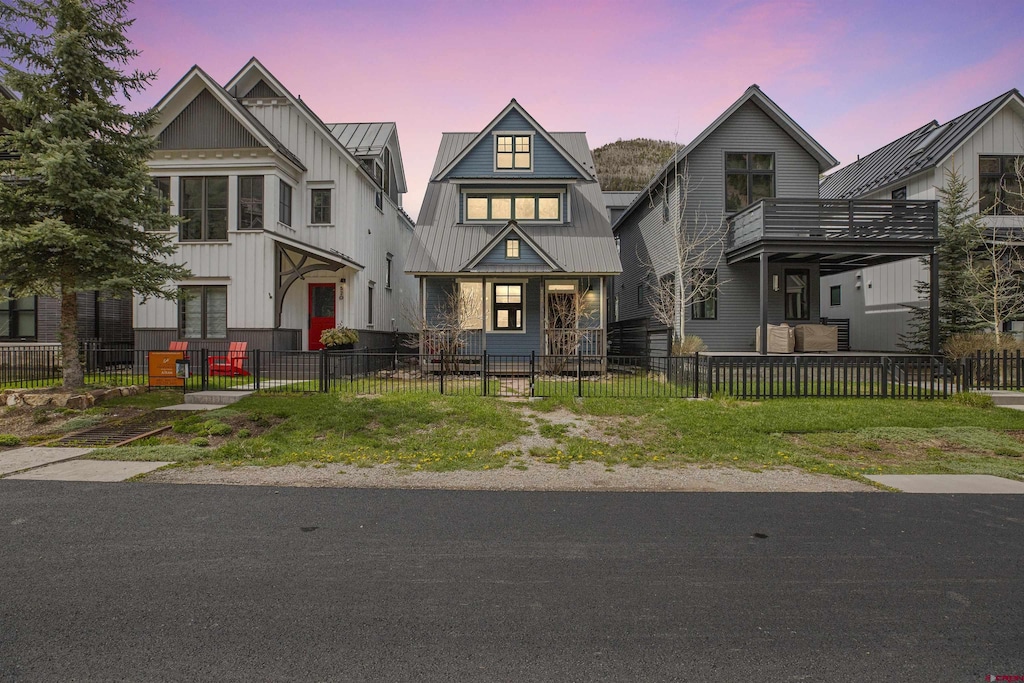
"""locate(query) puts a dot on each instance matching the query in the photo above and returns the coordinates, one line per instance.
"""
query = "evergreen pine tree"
(958, 235)
(79, 211)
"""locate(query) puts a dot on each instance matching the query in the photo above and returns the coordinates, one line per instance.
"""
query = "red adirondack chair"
(178, 346)
(231, 364)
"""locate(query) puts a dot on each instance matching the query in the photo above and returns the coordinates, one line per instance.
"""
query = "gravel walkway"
(537, 476)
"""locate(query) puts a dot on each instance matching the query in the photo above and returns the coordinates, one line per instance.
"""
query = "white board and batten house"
(289, 225)
(981, 145)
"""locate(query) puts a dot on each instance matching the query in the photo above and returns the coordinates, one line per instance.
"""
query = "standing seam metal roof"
(917, 151)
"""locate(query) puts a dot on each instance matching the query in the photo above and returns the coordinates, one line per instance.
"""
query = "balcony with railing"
(830, 225)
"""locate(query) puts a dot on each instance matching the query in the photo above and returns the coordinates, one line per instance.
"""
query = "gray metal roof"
(363, 139)
(920, 150)
(368, 140)
(618, 198)
(442, 245)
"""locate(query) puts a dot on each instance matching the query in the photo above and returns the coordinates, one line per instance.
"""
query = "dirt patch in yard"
(38, 425)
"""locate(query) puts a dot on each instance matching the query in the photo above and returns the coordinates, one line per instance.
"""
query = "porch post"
(933, 301)
(483, 314)
(423, 312)
(763, 262)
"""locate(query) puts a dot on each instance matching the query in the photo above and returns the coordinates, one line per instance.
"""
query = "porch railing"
(830, 219)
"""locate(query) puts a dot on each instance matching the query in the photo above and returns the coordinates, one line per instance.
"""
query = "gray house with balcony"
(754, 174)
(513, 245)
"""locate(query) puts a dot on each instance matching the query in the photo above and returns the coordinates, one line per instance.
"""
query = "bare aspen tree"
(994, 272)
(698, 241)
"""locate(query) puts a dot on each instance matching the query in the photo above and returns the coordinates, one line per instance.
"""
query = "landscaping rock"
(36, 400)
(59, 400)
(15, 400)
(80, 402)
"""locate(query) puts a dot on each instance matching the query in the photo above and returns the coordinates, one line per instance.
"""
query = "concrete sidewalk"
(89, 470)
(948, 483)
(30, 457)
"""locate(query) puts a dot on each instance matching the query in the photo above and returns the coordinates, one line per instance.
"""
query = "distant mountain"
(630, 164)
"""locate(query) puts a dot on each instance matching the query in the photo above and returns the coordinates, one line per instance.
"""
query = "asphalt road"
(162, 582)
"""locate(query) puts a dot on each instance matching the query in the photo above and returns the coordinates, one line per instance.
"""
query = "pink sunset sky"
(855, 75)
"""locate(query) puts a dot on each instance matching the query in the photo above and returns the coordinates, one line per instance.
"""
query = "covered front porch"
(836, 235)
(513, 315)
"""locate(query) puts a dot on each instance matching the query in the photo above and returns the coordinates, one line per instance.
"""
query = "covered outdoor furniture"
(231, 364)
(820, 338)
(780, 339)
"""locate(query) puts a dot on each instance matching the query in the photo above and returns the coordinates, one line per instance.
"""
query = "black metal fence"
(580, 375)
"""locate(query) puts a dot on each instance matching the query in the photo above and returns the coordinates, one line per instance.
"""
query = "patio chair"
(231, 364)
(178, 346)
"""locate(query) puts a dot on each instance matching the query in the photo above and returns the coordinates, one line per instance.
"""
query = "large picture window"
(798, 302)
(705, 295)
(204, 209)
(999, 188)
(508, 308)
(17, 317)
(749, 177)
(250, 202)
(203, 312)
(512, 152)
(520, 207)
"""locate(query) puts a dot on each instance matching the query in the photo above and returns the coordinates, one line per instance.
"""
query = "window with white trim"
(522, 207)
(203, 312)
(508, 307)
(320, 203)
(204, 209)
(284, 213)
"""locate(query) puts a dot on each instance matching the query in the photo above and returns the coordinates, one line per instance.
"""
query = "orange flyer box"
(161, 369)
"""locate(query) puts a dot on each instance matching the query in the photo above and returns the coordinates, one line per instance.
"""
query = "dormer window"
(522, 207)
(512, 153)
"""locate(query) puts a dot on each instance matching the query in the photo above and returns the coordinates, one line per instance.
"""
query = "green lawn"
(846, 437)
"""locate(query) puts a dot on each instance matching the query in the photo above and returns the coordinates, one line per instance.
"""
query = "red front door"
(321, 312)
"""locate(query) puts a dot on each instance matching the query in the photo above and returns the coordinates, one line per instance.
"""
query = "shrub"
(243, 433)
(973, 399)
(336, 336)
(965, 344)
(9, 440)
(199, 441)
(688, 346)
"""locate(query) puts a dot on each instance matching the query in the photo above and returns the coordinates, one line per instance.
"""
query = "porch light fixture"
(775, 283)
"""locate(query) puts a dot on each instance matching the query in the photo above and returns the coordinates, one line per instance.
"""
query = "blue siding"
(527, 256)
(519, 342)
(547, 162)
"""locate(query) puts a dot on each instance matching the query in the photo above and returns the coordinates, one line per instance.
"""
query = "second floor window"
(519, 208)
(204, 209)
(284, 210)
(163, 189)
(321, 202)
(512, 152)
(999, 185)
(749, 177)
(250, 202)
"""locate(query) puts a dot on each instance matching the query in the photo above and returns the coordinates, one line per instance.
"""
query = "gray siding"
(547, 161)
(261, 89)
(206, 124)
(646, 243)
(259, 340)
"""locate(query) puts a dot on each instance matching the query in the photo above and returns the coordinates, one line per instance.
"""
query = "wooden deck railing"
(828, 219)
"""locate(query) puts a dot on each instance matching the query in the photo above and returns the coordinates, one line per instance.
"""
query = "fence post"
(696, 374)
(579, 371)
(204, 356)
(442, 372)
(533, 369)
(711, 361)
(323, 371)
(884, 375)
(483, 370)
(256, 370)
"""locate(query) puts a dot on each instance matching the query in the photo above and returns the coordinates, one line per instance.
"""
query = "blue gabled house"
(513, 244)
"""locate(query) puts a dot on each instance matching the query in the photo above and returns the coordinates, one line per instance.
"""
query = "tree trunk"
(73, 376)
